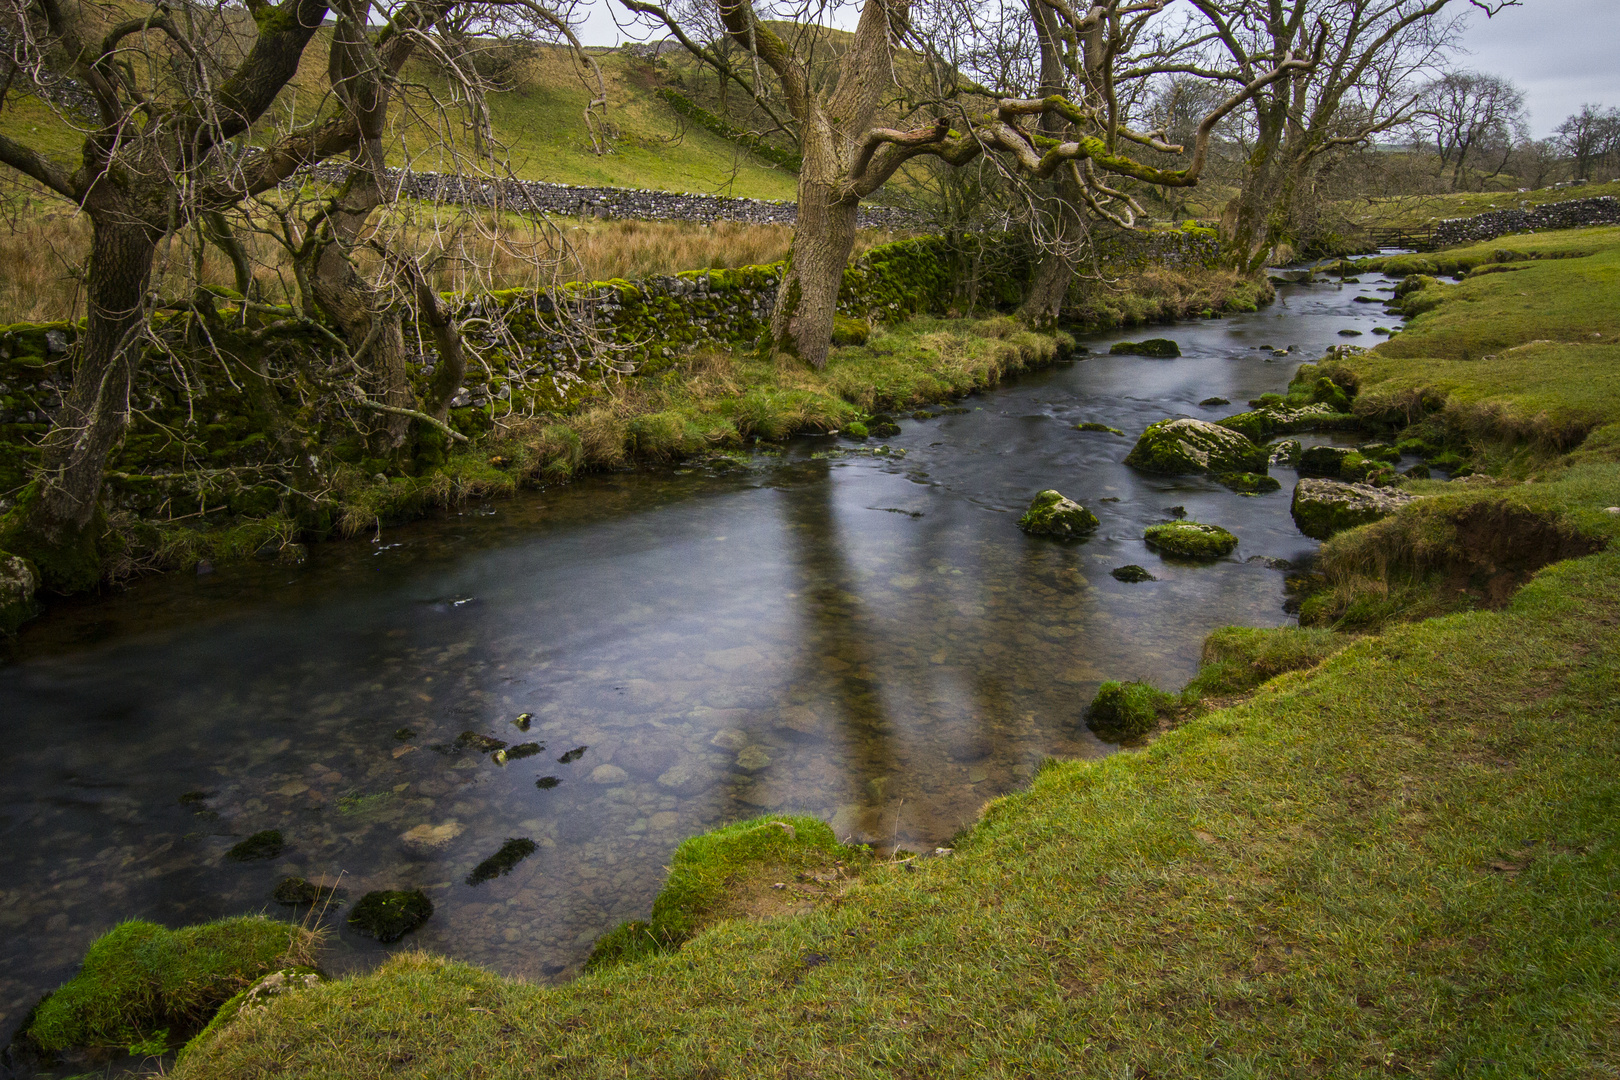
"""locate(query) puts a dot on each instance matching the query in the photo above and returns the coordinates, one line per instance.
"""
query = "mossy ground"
(147, 985)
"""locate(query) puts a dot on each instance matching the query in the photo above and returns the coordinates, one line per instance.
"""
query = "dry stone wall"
(604, 202)
(1603, 210)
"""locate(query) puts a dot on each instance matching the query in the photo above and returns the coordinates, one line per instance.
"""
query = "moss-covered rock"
(1323, 460)
(143, 984)
(1091, 425)
(1285, 452)
(1179, 447)
(1191, 539)
(512, 852)
(266, 844)
(1249, 483)
(1261, 424)
(1050, 514)
(1324, 507)
(277, 984)
(19, 581)
(848, 331)
(1131, 574)
(295, 892)
(1157, 348)
(390, 914)
(1126, 710)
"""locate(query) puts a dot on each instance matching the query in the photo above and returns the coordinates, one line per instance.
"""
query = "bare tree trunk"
(802, 321)
(58, 523)
(1049, 287)
(371, 326)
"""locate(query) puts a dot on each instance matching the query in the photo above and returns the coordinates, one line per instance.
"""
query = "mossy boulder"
(1092, 425)
(1285, 452)
(848, 331)
(1050, 514)
(1323, 460)
(1131, 574)
(1276, 419)
(277, 984)
(390, 914)
(1126, 710)
(19, 582)
(144, 984)
(1156, 348)
(1180, 447)
(1191, 539)
(1322, 508)
(1246, 483)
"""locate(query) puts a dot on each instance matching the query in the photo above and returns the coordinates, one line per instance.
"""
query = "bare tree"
(1591, 137)
(1466, 115)
(1365, 57)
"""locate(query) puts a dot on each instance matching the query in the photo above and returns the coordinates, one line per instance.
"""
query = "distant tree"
(1471, 117)
(1591, 137)
(1365, 58)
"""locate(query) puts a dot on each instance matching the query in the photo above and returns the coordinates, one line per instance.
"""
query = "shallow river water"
(864, 638)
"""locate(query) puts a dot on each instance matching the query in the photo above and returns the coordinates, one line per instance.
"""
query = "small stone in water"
(1131, 574)
(522, 721)
(1177, 512)
(293, 891)
(404, 733)
(545, 783)
(573, 755)
(484, 744)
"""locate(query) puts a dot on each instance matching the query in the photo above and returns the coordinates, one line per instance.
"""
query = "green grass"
(1530, 357)
(142, 984)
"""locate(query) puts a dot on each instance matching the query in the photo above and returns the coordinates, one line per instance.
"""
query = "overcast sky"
(1562, 53)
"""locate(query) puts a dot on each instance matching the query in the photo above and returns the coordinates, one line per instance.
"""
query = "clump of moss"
(1249, 483)
(1131, 574)
(1191, 539)
(143, 984)
(1126, 710)
(390, 914)
(512, 852)
(1323, 460)
(1156, 348)
(1214, 402)
(705, 867)
(1184, 446)
(518, 752)
(1050, 514)
(881, 426)
(261, 845)
(1090, 425)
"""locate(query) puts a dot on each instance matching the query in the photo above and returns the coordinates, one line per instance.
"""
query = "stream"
(863, 637)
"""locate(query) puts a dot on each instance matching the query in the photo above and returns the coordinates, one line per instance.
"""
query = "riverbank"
(1401, 860)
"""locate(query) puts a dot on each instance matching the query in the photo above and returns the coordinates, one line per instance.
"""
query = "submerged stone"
(424, 840)
(608, 774)
(514, 851)
(484, 744)
(1092, 426)
(1322, 508)
(572, 755)
(1131, 574)
(261, 845)
(1177, 447)
(390, 914)
(1191, 539)
(1156, 348)
(294, 891)
(1214, 402)
(546, 783)
(1050, 514)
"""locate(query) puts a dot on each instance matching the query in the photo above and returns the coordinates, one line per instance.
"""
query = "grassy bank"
(1399, 860)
